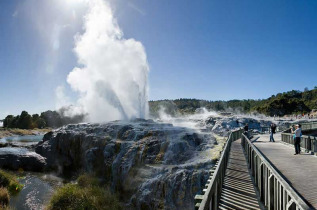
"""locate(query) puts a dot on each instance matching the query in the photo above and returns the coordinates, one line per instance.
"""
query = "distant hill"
(291, 102)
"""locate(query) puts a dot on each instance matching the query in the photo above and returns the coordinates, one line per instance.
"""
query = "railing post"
(271, 192)
(315, 146)
(216, 197)
(308, 144)
(261, 185)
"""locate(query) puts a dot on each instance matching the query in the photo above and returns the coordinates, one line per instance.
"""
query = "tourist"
(273, 130)
(246, 130)
(297, 134)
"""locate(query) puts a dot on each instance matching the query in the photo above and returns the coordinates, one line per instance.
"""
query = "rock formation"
(152, 165)
(21, 158)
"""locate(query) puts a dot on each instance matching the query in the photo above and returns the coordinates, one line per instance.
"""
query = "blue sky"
(215, 50)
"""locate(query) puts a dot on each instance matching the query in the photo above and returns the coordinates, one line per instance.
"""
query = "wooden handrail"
(275, 191)
(211, 197)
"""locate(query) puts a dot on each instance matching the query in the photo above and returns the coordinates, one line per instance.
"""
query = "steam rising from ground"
(221, 123)
(192, 121)
(113, 73)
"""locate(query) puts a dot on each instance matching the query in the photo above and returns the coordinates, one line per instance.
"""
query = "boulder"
(21, 158)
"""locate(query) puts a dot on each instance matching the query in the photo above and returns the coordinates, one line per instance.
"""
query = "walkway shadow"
(238, 190)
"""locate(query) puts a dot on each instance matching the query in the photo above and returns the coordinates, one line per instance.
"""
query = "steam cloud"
(113, 73)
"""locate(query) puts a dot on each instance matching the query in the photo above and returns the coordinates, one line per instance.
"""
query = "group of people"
(296, 130)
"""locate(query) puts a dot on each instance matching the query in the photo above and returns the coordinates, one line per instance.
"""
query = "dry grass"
(4, 198)
(5, 132)
(9, 185)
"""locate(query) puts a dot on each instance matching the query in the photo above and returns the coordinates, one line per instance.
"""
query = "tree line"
(52, 119)
(286, 103)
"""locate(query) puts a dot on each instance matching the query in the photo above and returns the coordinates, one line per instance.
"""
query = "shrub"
(4, 197)
(70, 196)
(86, 180)
(9, 181)
(88, 193)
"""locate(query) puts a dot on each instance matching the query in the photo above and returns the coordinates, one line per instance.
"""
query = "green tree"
(8, 121)
(52, 118)
(14, 123)
(25, 121)
(41, 123)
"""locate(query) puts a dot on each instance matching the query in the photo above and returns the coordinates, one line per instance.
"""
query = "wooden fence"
(275, 192)
(211, 197)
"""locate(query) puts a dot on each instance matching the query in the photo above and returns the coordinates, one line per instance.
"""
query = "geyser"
(113, 71)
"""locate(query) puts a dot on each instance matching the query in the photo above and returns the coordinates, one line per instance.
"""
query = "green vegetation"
(9, 181)
(9, 185)
(291, 102)
(24, 121)
(88, 193)
(49, 118)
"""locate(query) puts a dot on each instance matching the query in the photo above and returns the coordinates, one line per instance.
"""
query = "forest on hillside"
(291, 102)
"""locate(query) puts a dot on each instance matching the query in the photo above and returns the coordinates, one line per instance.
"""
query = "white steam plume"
(113, 73)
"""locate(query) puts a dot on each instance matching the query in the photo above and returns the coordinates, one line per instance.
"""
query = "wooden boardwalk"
(299, 170)
(238, 190)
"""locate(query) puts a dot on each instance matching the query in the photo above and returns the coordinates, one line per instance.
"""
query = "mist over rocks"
(152, 165)
(224, 125)
(220, 123)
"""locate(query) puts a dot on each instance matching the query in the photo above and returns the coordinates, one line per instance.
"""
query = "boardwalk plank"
(238, 190)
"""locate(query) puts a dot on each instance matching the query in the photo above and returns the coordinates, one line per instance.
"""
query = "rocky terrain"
(152, 165)
(221, 123)
(157, 164)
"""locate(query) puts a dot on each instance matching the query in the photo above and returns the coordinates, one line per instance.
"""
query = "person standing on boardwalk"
(273, 130)
(246, 130)
(297, 134)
